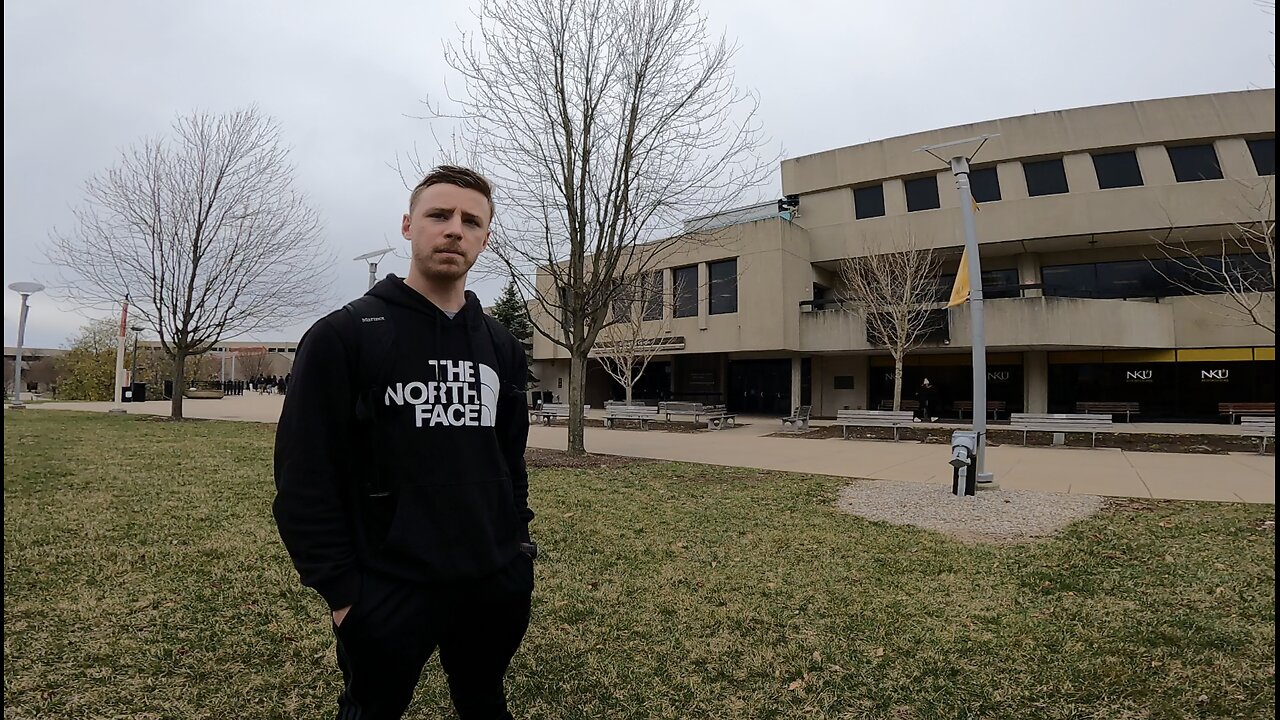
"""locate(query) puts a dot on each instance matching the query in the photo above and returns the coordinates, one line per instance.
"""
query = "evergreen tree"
(512, 312)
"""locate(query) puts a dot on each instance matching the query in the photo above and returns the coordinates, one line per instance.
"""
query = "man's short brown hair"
(455, 175)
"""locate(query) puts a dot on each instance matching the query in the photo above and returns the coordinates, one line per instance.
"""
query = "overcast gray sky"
(84, 79)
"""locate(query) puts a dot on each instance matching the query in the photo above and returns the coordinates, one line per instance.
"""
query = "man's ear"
(487, 234)
(404, 226)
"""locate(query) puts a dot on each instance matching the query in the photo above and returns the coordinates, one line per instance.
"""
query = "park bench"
(1231, 410)
(1060, 423)
(912, 405)
(202, 394)
(873, 418)
(643, 415)
(798, 420)
(553, 411)
(1128, 409)
(994, 408)
(1259, 427)
(689, 409)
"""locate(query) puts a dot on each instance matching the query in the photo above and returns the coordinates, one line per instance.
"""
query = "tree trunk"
(179, 382)
(631, 381)
(577, 391)
(897, 383)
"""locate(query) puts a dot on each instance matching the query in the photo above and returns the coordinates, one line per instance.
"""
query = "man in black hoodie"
(402, 495)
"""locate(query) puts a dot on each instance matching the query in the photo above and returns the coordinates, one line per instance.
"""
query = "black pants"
(392, 629)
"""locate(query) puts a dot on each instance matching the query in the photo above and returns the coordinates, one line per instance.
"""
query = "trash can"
(139, 392)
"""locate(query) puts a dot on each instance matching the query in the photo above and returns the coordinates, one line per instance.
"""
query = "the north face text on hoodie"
(464, 394)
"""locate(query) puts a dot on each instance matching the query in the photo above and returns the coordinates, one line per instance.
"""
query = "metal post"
(373, 273)
(960, 168)
(117, 405)
(17, 362)
(133, 365)
(372, 258)
(24, 289)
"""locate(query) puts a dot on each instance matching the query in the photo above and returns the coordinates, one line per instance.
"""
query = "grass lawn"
(143, 578)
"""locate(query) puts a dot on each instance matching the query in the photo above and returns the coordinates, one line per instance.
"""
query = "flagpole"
(117, 406)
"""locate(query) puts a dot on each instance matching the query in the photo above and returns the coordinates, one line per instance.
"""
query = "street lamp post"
(26, 290)
(133, 366)
(372, 257)
(955, 157)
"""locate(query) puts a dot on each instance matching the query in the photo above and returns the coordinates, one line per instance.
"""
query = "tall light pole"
(954, 155)
(26, 290)
(133, 369)
(372, 257)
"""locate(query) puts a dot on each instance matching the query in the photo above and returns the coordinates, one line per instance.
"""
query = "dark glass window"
(1069, 280)
(1131, 279)
(653, 295)
(984, 184)
(1194, 162)
(621, 309)
(868, 202)
(1000, 284)
(995, 284)
(1263, 151)
(685, 290)
(1117, 170)
(723, 277)
(1045, 177)
(922, 193)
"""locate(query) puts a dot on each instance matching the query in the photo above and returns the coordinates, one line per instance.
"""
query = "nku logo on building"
(1220, 375)
(1139, 375)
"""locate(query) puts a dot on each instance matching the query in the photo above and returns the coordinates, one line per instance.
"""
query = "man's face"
(447, 227)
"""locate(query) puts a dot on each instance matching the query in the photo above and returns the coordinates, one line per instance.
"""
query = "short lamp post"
(26, 290)
(133, 365)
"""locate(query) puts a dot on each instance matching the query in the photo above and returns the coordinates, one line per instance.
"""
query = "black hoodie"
(432, 487)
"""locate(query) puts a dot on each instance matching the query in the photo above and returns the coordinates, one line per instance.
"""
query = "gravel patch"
(1007, 516)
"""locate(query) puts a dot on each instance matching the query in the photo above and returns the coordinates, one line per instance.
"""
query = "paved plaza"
(1236, 477)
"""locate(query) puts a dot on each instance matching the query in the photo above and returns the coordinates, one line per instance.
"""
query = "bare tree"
(204, 230)
(636, 333)
(1237, 274)
(605, 125)
(896, 293)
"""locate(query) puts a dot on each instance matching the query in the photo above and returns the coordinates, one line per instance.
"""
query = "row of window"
(1157, 278)
(723, 295)
(1191, 163)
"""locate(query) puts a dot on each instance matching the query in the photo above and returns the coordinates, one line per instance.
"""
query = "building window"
(984, 184)
(724, 286)
(1045, 177)
(843, 382)
(685, 280)
(922, 193)
(1069, 280)
(1263, 151)
(621, 306)
(1117, 170)
(996, 284)
(653, 295)
(1195, 162)
(868, 202)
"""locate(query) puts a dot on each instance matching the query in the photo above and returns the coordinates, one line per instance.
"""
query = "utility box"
(964, 453)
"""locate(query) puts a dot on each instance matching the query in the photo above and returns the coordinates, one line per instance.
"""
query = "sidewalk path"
(1238, 477)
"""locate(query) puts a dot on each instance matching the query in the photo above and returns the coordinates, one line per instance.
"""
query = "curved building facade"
(1083, 303)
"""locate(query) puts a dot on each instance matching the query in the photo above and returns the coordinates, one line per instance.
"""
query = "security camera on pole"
(117, 405)
(373, 257)
(954, 156)
(26, 290)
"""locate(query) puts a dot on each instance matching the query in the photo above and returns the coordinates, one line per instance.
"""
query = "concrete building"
(1080, 305)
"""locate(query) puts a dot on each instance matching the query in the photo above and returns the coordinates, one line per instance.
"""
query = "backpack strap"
(372, 357)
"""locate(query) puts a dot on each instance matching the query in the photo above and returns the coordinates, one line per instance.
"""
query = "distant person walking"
(927, 400)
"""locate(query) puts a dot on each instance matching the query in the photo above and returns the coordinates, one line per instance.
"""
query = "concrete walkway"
(1238, 477)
